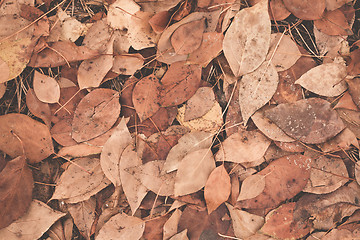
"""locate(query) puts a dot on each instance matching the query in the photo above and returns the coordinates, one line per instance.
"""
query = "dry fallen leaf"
(145, 97)
(333, 23)
(199, 104)
(81, 180)
(306, 9)
(149, 174)
(245, 224)
(284, 178)
(179, 83)
(217, 188)
(33, 224)
(122, 226)
(256, 89)
(112, 150)
(133, 189)
(251, 187)
(247, 40)
(188, 37)
(46, 88)
(127, 64)
(243, 147)
(193, 171)
(325, 80)
(37, 107)
(22, 135)
(16, 184)
(95, 114)
(188, 143)
(310, 120)
(279, 223)
(171, 225)
(283, 52)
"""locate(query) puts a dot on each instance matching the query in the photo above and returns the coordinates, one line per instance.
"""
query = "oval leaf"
(306, 9)
(325, 80)
(247, 40)
(146, 96)
(217, 188)
(46, 88)
(256, 89)
(193, 172)
(95, 114)
(122, 226)
(16, 186)
(21, 133)
(251, 187)
(309, 120)
(80, 181)
(179, 83)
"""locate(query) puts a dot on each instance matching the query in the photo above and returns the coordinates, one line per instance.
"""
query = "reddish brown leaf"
(188, 37)
(16, 185)
(346, 101)
(288, 91)
(154, 227)
(46, 88)
(159, 21)
(277, 10)
(284, 177)
(59, 53)
(310, 120)
(21, 135)
(354, 90)
(179, 83)
(61, 133)
(306, 9)
(333, 23)
(38, 108)
(280, 223)
(145, 97)
(96, 113)
(217, 188)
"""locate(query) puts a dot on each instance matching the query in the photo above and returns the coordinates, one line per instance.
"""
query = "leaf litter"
(179, 119)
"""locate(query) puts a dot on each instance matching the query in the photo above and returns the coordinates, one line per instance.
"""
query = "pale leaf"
(247, 40)
(251, 187)
(194, 171)
(256, 89)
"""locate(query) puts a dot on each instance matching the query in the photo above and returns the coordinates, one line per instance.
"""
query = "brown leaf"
(179, 83)
(96, 113)
(243, 147)
(127, 64)
(5, 71)
(83, 214)
(252, 187)
(188, 143)
(256, 89)
(154, 227)
(33, 224)
(199, 104)
(210, 47)
(342, 141)
(21, 135)
(188, 37)
(92, 72)
(306, 9)
(160, 21)
(333, 23)
(326, 175)
(80, 181)
(59, 53)
(284, 178)
(112, 150)
(277, 10)
(247, 40)
(61, 133)
(217, 188)
(122, 226)
(310, 120)
(288, 91)
(46, 88)
(326, 79)
(171, 225)
(133, 189)
(346, 101)
(354, 90)
(38, 108)
(245, 224)
(280, 223)
(193, 172)
(16, 184)
(149, 174)
(145, 97)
